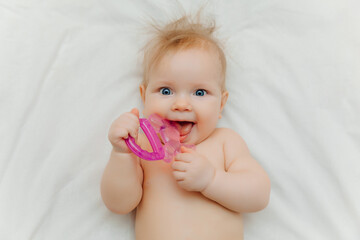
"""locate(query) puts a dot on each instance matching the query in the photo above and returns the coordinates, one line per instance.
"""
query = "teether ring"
(169, 134)
(158, 151)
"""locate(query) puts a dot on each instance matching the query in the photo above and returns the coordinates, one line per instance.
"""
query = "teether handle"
(158, 151)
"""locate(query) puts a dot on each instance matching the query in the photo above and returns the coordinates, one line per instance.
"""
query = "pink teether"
(169, 134)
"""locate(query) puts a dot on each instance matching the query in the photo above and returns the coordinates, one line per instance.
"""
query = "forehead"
(189, 66)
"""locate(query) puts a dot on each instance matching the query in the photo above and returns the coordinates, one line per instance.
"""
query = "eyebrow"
(166, 82)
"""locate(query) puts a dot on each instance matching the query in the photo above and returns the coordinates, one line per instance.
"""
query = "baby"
(203, 192)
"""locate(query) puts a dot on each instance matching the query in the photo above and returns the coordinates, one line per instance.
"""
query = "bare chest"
(165, 205)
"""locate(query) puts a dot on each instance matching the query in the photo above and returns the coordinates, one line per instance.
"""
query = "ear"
(224, 98)
(142, 92)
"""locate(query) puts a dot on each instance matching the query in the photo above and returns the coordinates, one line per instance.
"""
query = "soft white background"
(68, 68)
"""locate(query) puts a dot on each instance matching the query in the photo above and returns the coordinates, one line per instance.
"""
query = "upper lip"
(177, 120)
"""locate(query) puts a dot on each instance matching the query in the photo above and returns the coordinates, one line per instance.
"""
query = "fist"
(192, 171)
(127, 124)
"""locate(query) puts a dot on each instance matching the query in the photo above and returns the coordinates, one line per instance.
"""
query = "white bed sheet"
(68, 68)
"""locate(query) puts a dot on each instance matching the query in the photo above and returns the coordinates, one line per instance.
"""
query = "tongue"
(184, 128)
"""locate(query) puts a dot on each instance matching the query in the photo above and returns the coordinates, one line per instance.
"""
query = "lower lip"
(182, 138)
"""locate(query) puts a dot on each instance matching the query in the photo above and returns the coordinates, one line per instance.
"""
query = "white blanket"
(68, 68)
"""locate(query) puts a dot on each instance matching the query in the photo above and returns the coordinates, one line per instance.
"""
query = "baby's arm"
(244, 186)
(121, 185)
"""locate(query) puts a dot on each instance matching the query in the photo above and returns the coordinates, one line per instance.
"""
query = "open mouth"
(184, 128)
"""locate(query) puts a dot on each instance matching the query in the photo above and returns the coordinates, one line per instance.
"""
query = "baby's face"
(185, 88)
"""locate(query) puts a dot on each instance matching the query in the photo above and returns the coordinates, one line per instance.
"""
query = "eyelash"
(203, 90)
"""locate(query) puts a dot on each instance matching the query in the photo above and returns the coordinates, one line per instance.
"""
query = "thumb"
(184, 149)
(135, 111)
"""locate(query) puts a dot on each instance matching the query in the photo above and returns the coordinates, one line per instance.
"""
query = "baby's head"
(184, 78)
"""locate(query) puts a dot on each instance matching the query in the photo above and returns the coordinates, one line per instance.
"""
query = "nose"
(181, 103)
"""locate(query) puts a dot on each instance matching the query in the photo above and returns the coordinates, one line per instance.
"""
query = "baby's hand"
(192, 171)
(127, 123)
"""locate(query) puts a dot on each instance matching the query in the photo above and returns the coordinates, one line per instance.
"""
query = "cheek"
(209, 108)
(209, 120)
(154, 105)
(208, 114)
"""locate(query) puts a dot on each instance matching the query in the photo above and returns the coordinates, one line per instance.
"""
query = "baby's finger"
(120, 133)
(134, 133)
(184, 149)
(135, 111)
(179, 166)
(179, 176)
(132, 125)
(184, 157)
(134, 129)
(132, 118)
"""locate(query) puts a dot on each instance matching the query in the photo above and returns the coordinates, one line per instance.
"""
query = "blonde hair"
(183, 33)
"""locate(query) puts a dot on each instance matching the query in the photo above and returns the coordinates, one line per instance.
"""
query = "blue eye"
(165, 91)
(200, 92)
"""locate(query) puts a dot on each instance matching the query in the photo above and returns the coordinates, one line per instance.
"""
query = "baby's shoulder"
(226, 134)
(231, 142)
